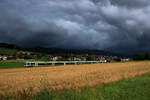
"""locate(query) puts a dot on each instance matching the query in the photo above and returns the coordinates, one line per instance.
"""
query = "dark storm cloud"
(131, 3)
(118, 25)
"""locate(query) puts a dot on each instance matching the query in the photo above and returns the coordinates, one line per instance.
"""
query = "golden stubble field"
(67, 77)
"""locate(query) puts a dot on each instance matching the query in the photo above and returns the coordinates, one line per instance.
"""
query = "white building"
(3, 58)
(125, 60)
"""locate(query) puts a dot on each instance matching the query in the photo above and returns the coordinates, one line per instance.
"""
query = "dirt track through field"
(67, 77)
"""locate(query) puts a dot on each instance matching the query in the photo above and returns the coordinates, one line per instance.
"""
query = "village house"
(57, 58)
(83, 58)
(3, 57)
(125, 59)
(77, 59)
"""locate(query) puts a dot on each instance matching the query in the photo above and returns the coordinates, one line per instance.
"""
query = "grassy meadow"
(11, 64)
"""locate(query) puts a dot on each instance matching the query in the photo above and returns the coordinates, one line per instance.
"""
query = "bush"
(144, 56)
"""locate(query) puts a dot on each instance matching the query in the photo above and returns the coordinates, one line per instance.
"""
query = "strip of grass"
(11, 64)
(128, 89)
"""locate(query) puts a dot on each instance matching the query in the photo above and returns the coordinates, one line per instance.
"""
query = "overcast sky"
(115, 25)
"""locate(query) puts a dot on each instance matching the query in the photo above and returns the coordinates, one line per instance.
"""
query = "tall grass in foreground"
(129, 89)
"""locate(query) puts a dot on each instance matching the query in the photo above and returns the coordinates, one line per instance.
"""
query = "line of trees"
(143, 56)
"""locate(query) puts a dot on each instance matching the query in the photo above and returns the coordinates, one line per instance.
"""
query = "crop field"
(30, 81)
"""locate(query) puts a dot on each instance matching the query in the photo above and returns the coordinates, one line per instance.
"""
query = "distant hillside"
(11, 48)
(6, 51)
(68, 51)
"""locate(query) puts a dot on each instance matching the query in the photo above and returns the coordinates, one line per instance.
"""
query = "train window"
(40, 64)
(44, 64)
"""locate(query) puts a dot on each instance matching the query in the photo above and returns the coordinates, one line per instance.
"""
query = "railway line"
(57, 63)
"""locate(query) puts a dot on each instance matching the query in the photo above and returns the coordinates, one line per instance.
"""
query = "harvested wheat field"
(67, 77)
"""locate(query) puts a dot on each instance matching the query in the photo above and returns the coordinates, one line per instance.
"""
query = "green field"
(129, 89)
(6, 64)
(13, 63)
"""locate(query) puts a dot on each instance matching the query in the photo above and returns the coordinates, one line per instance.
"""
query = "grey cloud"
(116, 25)
(131, 3)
